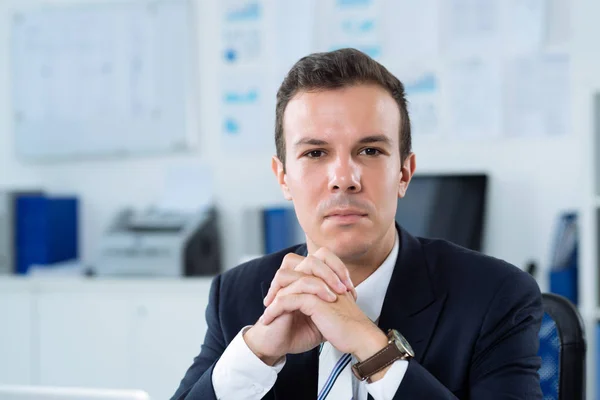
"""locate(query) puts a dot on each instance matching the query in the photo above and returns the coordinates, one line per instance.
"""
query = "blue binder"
(46, 231)
(280, 229)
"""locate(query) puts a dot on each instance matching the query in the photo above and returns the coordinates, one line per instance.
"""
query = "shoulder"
(474, 274)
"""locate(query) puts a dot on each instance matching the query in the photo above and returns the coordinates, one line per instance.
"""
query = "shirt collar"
(371, 292)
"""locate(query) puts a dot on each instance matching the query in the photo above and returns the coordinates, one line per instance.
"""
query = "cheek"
(383, 191)
(305, 186)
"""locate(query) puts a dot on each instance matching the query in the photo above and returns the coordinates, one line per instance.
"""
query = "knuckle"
(278, 275)
(312, 259)
(289, 261)
(276, 301)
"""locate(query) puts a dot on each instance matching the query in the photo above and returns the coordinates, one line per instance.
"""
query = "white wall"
(532, 180)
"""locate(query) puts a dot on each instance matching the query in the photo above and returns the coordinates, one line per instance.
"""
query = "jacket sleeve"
(505, 363)
(197, 382)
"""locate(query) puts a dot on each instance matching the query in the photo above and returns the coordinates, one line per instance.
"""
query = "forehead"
(359, 110)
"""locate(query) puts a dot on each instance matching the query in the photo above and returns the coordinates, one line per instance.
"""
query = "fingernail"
(349, 284)
(341, 287)
(332, 295)
(262, 319)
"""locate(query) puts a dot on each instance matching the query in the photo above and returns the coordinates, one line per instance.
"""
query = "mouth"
(345, 216)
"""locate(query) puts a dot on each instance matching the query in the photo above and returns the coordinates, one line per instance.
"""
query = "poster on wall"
(422, 87)
(243, 26)
(474, 98)
(470, 27)
(411, 29)
(349, 23)
(101, 80)
(537, 96)
(244, 114)
(243, 83)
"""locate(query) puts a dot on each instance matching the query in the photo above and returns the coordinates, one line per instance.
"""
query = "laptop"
(18, 392)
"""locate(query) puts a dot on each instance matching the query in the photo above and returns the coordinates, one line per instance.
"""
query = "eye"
(315, 154)
(371, 151)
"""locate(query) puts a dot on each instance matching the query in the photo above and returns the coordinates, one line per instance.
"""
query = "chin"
(348, 245)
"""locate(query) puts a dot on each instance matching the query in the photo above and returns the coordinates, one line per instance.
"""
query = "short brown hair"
(333, 70)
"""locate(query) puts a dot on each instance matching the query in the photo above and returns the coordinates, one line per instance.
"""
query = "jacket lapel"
(412, 304)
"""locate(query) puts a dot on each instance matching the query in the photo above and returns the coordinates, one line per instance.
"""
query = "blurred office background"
(136, 139)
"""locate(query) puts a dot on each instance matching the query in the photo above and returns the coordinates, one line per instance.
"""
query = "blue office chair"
(562, 349)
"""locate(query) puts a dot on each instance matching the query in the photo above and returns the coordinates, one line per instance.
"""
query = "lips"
(345, 216)
(346, 213)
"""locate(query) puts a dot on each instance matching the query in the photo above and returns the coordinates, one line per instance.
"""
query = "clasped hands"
(311, 300)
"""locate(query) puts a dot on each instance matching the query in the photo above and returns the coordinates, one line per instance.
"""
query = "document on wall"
(349, 23)
(243, 30)
(558, 24)
(470, 27)
(243, 113)
(421, 85)
(410, 29)
(474, 98)
(537, 96)
(523, 26)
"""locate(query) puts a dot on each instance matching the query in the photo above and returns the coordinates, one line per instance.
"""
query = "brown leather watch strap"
(367, 368)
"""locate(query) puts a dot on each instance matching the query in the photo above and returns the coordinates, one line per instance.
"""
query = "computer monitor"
(22, 392)
(450, 207)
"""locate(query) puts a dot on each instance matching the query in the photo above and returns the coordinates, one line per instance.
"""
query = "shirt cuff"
(386, 387)
(240, 374)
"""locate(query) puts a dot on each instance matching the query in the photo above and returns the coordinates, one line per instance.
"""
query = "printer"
(160, 243)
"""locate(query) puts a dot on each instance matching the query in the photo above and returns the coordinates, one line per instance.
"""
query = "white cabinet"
(137, 334)
(16, 334)
(168, 330)
(84, 339)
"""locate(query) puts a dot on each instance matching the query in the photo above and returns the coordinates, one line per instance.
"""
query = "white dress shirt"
(241, 375)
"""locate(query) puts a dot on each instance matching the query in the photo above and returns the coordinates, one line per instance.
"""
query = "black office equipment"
(450, 207)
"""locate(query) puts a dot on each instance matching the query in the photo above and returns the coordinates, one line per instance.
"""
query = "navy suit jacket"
(472, 320)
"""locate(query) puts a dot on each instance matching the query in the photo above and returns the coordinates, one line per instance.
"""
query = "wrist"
(251, 342)
(374, 342)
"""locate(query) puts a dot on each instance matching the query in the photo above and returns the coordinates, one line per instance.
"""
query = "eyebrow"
(366, 140)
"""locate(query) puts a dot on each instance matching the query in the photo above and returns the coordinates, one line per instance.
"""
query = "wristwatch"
(397, 349)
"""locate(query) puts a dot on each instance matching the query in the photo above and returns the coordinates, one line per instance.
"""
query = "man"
(363, 309)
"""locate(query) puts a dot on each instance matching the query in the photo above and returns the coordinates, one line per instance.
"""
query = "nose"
(344, 176)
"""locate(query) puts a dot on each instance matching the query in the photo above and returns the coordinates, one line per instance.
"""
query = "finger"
(309, 285)
(282, 278)
(334, 262)
(312, 265)
(291, 261)
(304, 303)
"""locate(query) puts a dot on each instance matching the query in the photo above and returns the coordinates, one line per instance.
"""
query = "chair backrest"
(562, 349)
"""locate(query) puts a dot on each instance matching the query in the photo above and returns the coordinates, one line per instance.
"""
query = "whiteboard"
(101, 79)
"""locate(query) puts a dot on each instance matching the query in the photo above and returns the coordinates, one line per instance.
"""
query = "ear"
(406, 174)
(277, 167)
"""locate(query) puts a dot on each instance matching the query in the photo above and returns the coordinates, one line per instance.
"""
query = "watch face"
(402, 343)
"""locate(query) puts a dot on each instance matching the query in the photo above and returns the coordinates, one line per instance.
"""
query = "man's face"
(343, 170)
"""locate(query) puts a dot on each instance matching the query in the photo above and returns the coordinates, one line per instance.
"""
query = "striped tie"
(335, 374)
